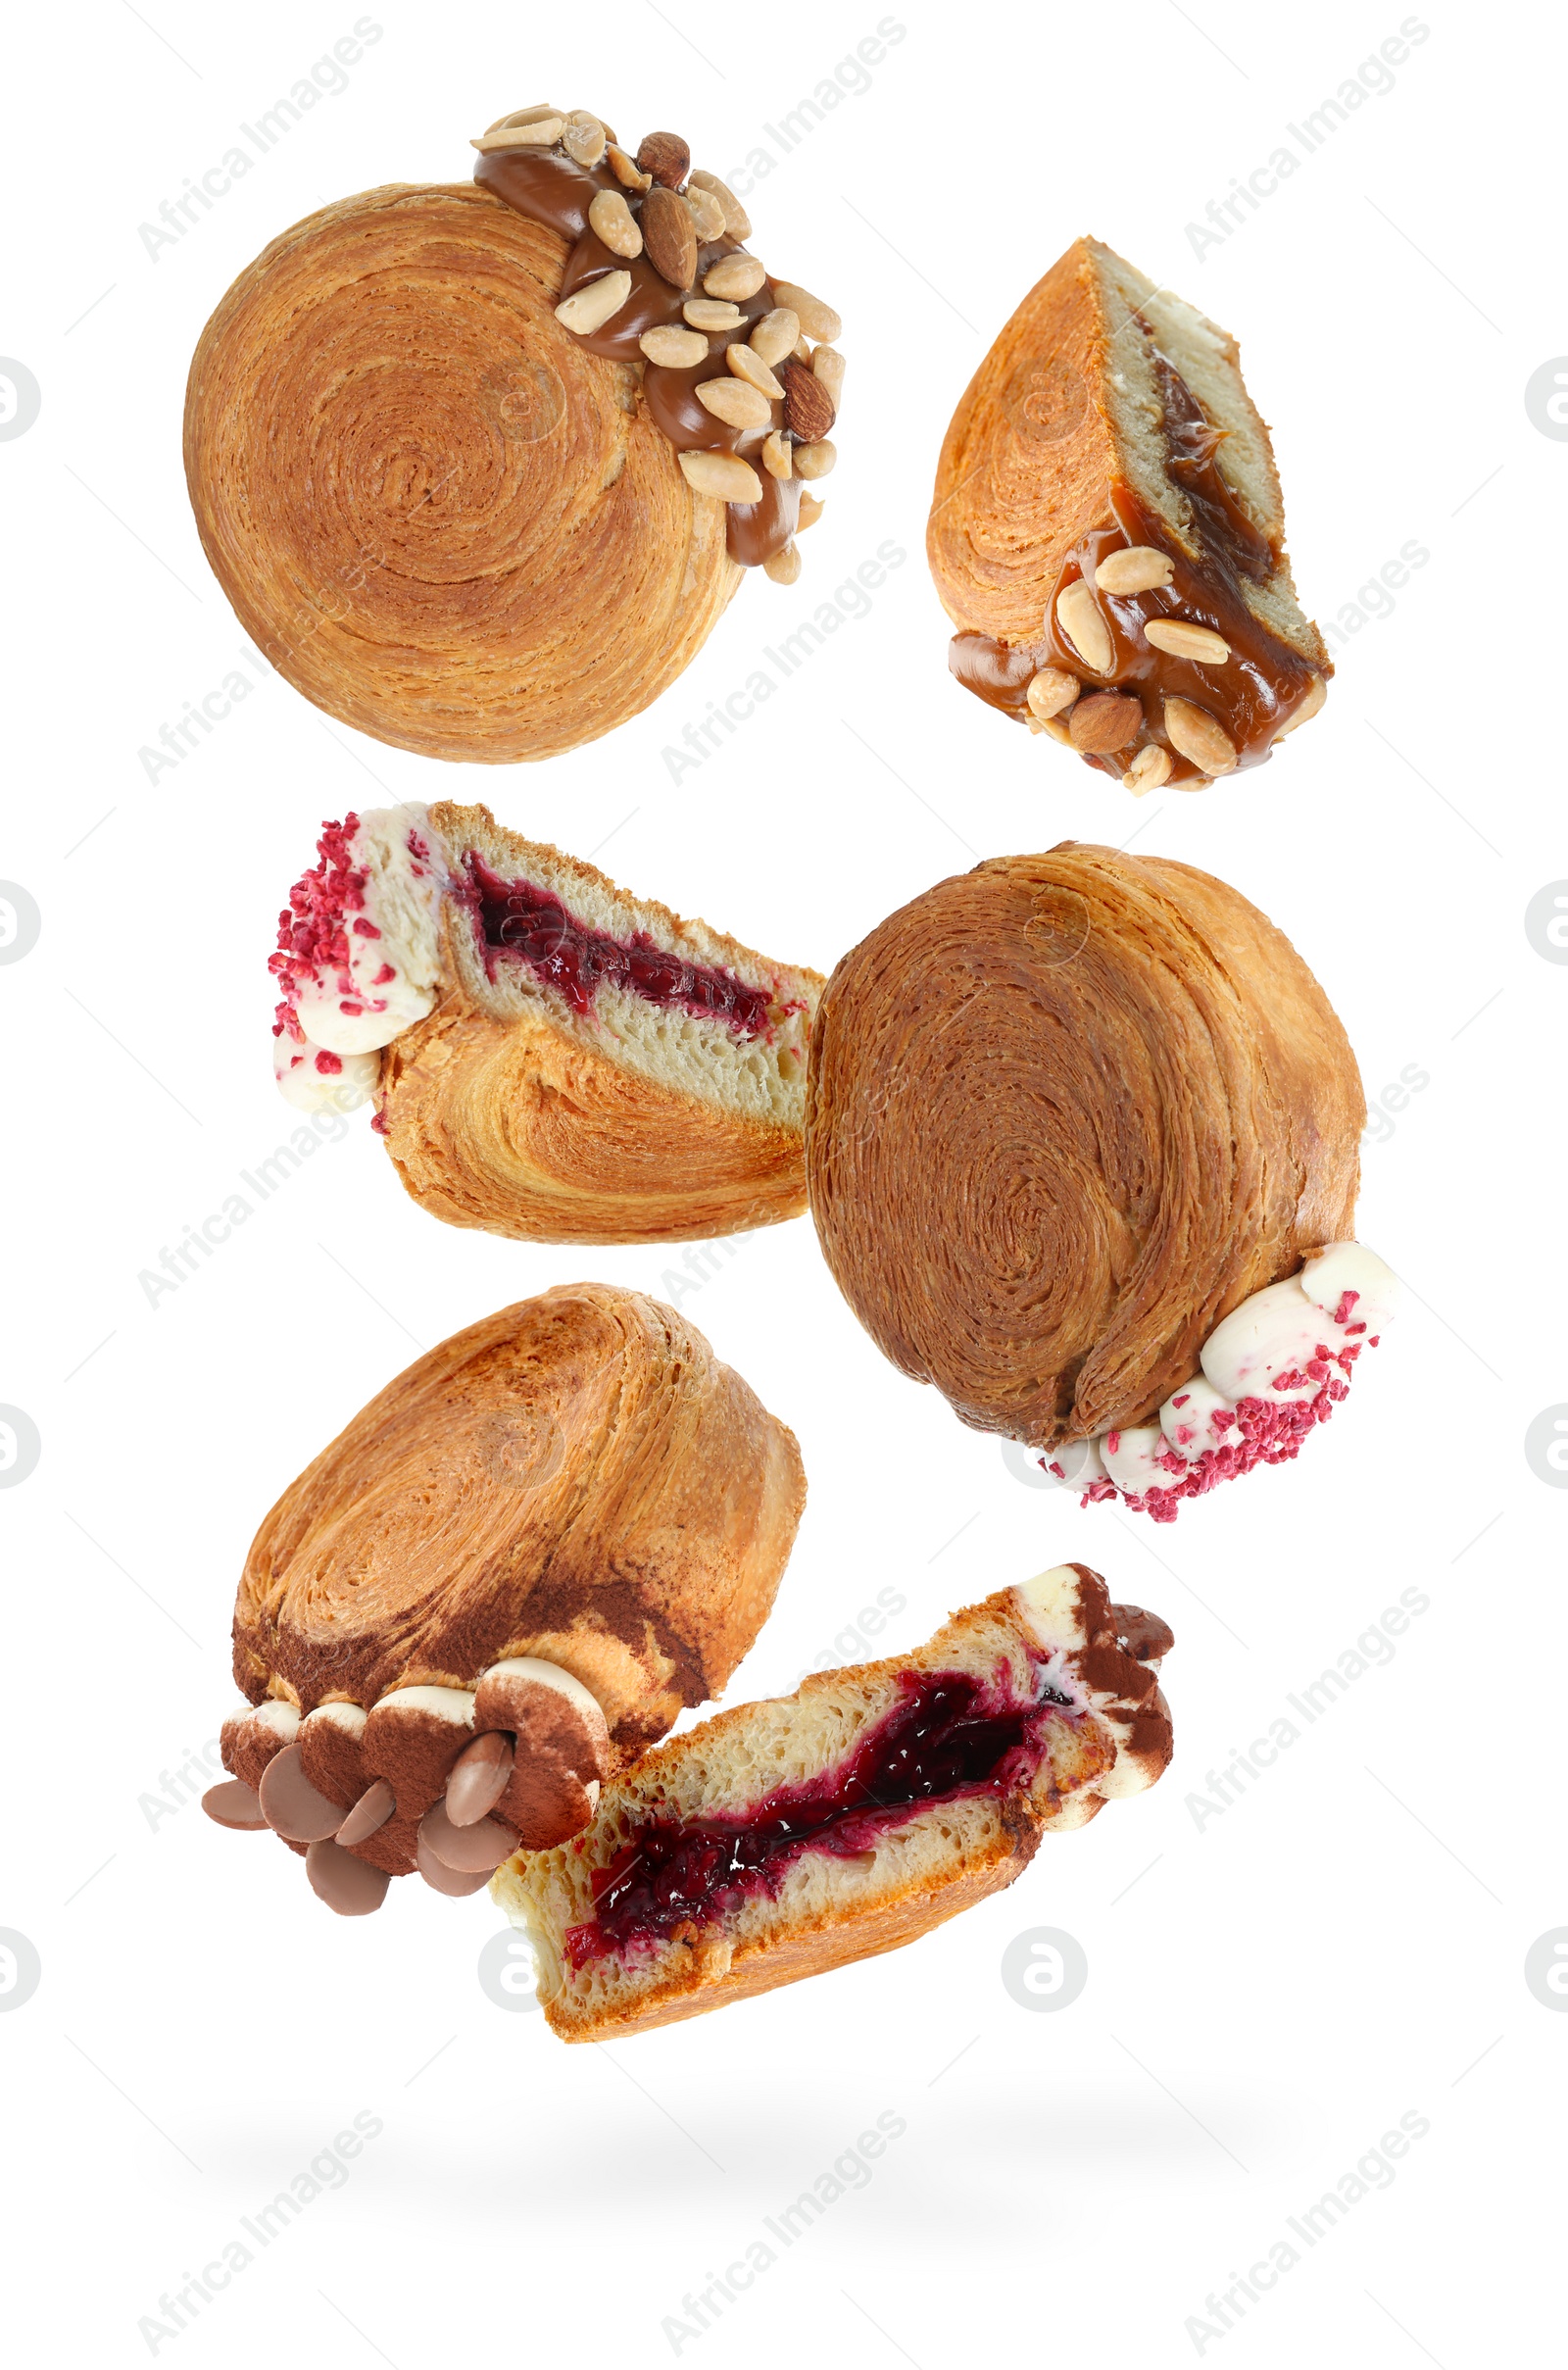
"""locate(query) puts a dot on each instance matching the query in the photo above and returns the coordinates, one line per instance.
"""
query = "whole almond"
(1199, 737)
(669, 236)
(737, 276)
(1085, 628)
(724, 475)
(1051, 690)
(818, 320)
(624, 170)
(1138, 569)
(811, 511)
(814, 460)
(748, 364)
(706, 214)
(1106, 719)
(775, 335)
(778, 454)
(735, 403)
(584, 138)
(674, 348)
(664, 155)
(784, 566)
(609, 220)
(591, 307)
(737, 222)
(807, 405)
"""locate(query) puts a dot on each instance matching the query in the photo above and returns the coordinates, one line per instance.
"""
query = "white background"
(1269, 1990)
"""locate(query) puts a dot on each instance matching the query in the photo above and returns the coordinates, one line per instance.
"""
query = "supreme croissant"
(550, 1058)
(1082, 1150)
(784, 1839)
(1107, 534)
(502, 1580)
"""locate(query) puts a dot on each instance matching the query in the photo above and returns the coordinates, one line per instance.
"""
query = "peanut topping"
(1195, 732)
(1138, 569)
(816, 459)
(1148, 769)
(775, 335)
(1309, 706)
(735, 403)
(1085, 628)
(584, 139)
(811, 511)
(609, 220)
(703, 314)
(816, 318)
(708, 214)
(737, 222)
(1182, 641)
(722, 474)
(736, 276)
(1050, 691)
(828, 364)
(674, 348)
(591, 307)
(778, 454)
(784, 566)
(748, 364)
(624, 170)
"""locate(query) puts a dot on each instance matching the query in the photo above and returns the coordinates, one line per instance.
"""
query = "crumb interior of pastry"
(671, 999)
(950, 1734)
(1171, 370)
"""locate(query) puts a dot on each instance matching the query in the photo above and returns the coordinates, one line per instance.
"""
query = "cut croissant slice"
(505, 1577)
(551, 1057)
(1107, 534)
(784, 1839)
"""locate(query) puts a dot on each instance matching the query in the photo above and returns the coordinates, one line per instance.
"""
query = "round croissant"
(1065, 1112)
(437, 513)
(502, 1580)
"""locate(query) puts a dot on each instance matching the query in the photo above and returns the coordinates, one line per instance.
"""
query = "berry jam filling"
(312, 933)
(517, 919)
(951, 1736)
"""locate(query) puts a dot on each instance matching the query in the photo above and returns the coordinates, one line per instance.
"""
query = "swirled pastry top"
(658, 277)
(1064, 1114)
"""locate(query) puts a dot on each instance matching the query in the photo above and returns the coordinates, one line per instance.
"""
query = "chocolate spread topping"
(550, 188)
(1253, 695)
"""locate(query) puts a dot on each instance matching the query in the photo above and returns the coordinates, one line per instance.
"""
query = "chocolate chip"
(343, 1882)
(481, 1845)
(665, 155)
(373, 1809)
(478, 1778)
(291, 1804)
(233, 1804)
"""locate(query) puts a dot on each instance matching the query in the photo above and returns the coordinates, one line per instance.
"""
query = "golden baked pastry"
(480, 466)
(502, 1580)
(783, 1839)
(1082, 1150)
(551, 1057)
(1107, 534)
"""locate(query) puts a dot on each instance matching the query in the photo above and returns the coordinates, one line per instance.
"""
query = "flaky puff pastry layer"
(439, 515)
(576, 1478)
(1064, 1112)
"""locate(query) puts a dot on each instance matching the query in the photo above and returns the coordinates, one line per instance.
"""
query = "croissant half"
(784, 1839)
(502, 1580)
(1082, 1150)
(480, 466)
(1107, 534)
(551, 1057)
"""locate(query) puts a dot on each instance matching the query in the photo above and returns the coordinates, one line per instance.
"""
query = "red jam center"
(517, 917)
(951, 1736)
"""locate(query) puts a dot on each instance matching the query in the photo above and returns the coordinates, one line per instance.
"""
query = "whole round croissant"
(1065, 1114)
(503, 1579)
(471, 472)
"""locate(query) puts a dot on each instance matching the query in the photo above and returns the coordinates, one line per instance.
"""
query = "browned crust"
(439, 515)
(1032, 459)
(1066, 1112)
(576, 1477)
